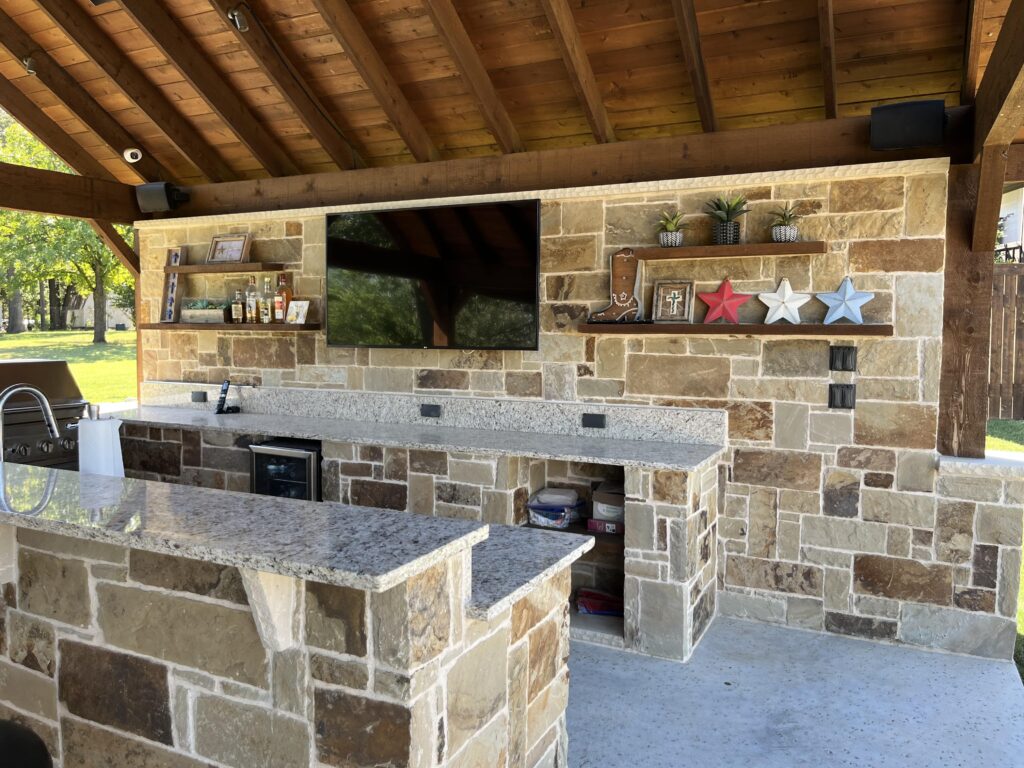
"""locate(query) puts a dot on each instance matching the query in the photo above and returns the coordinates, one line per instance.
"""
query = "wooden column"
(967, 311)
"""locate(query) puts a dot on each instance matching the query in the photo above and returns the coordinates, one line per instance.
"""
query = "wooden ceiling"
(318, 85)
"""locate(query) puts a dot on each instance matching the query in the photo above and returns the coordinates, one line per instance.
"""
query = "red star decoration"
(724, 303)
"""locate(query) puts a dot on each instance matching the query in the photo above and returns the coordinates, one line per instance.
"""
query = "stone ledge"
(994, 467)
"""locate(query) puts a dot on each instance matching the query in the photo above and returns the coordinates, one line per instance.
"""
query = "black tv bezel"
(536, 265)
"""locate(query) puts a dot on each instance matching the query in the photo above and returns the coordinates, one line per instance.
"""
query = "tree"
(64, 253)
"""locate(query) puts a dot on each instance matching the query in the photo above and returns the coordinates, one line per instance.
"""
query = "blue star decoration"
(845, 302)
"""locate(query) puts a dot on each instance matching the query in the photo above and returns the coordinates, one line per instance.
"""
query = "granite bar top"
(511, 561)
(627, 453)
(331, 543)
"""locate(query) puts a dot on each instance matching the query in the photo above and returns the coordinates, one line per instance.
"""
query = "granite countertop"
(511, 561)
(330, 543)
(627, 453)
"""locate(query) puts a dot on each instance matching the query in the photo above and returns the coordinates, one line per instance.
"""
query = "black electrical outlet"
(594, 420)
(842, 395)
(430, 410)
(199, 397)
(842, 358)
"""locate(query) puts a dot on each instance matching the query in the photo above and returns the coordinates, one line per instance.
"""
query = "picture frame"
(170, 308)
(297, 311)
(672, 301)
(229, 249)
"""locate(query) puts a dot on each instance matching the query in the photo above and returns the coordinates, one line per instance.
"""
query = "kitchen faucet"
(44, 406)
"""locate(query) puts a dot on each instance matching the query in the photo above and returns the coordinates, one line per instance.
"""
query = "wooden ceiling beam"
(999, 106)
(84, 32)
(577, 63)
(827, 37)
(347, 29)
(276, 65)
(36, 122)
(990, 197)
(70, 93)
(64, 194)
(456, 39)
(689, 35)
(972, 50)
(844, 141)
(202, 74)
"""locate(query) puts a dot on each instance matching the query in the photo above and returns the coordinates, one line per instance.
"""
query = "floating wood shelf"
(743, 250)
(218, 269)
(737, 329)
(266, 327)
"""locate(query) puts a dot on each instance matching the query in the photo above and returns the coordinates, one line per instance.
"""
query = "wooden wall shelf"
(737, 329)
(219, 269)
(251, 327)
(743, 250)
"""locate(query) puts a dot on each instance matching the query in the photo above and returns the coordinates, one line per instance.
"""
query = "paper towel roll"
(99, 447)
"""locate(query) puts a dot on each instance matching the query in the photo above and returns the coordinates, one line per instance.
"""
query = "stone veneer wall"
(831, 519)
(119, 657)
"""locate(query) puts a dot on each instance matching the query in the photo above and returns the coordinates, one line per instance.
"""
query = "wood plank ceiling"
(465, 78)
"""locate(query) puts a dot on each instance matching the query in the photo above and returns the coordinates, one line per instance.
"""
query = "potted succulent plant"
(203, 311)
(726, 213)
(784, 229)
(670, 229)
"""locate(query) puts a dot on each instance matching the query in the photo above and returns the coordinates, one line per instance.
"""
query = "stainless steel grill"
(26, 438)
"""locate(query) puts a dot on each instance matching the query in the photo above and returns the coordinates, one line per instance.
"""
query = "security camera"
(132, 155)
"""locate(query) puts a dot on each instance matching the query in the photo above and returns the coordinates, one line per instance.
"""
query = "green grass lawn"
(104, 372)
(1005, 436)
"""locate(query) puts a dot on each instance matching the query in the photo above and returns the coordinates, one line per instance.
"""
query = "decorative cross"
(673, 299)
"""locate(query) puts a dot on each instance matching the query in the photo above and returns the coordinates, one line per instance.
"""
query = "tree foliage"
(36, 249)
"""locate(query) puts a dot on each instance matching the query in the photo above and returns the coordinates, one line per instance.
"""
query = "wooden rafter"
(202, 74)
(999, 106)
(36, 122)
(567, 35)
(456, 39)
(23, 48)
(346, 27)
(827, 37)
(276, 65)
(64, 194)
(972, 50)
(689, 35)
(82, 30)
(844, 141)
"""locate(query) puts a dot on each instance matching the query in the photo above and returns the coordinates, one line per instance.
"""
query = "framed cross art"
(673, 301)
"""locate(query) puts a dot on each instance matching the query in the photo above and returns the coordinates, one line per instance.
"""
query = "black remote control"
(223, 396)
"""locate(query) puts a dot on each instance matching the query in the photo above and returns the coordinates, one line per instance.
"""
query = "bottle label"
(279, 308)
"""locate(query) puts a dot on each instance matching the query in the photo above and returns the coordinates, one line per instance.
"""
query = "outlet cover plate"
(842, 396)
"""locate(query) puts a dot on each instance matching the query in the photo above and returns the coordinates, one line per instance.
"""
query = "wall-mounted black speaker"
(159, 197)
(908, 125)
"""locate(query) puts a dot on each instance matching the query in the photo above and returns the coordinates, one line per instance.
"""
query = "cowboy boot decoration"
(625, 304)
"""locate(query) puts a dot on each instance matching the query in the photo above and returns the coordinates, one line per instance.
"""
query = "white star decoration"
(784, 304)
(846, 302)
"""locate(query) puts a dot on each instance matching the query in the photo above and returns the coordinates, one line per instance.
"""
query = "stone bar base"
(120, 657)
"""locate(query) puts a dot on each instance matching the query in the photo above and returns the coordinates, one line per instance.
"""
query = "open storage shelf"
(743, 250)
(220, 269)
(604, 542)
(736, 329)
(271, 327)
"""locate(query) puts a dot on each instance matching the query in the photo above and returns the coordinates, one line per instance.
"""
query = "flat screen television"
(452, 277)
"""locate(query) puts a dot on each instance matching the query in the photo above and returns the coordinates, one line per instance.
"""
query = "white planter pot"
(785, 234)
(670, 239)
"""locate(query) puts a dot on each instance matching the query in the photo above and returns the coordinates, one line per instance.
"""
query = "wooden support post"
(967, 309)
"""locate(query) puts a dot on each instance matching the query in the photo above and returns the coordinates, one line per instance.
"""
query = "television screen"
(461, 277)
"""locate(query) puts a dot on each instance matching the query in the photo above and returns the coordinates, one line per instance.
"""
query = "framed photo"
(673, 301)
(170, 309)
(297, 311)
(229, 249)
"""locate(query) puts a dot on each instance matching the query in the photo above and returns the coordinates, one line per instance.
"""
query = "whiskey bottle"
(266, 302)
(252, 302)
(282, 299)
(238, 308)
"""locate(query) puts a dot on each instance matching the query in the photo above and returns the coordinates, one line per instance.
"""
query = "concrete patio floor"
(761, 696)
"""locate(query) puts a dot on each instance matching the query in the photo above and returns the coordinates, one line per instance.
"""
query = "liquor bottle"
(282, 299)
(238, 308)
(266, 302)
(252, 302)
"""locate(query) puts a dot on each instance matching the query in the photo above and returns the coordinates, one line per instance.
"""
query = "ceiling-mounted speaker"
(909, 125)
(159, 197)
